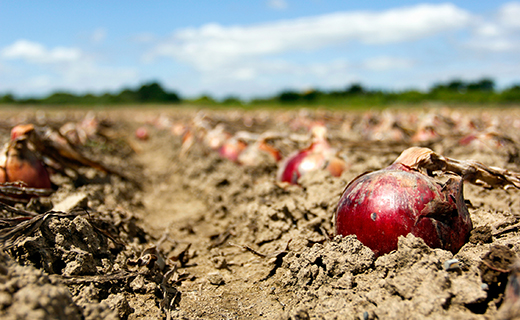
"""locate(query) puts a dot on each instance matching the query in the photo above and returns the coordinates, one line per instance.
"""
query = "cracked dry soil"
(199, 237)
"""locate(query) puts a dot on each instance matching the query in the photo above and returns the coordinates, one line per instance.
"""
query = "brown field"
(190, 235)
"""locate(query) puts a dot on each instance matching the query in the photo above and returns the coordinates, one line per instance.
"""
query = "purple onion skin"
(291, 169)
(380, 206)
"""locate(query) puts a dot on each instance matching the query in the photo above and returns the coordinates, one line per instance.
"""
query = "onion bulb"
(406, 197)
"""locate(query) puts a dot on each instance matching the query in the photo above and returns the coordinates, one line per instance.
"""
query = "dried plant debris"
(472, 171)
(203, 232)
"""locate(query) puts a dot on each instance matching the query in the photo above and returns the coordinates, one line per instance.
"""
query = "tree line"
(147, 93)
(455, 91)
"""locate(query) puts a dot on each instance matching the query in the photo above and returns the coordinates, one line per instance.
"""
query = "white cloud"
(489, 30)
(500, 34)
(384, 63)
(275, 69)
(267, 77)
(277, 4)
(509, 14)
(37, 53)
(61, 67)
(78, 77)
(493, 44)
(213, 46)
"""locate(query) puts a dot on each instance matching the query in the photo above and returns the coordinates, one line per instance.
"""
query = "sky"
(255, 48)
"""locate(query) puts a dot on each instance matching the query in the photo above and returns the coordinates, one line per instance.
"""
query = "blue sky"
(254, 48)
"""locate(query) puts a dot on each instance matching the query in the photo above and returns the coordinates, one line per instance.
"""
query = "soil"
(177, 233)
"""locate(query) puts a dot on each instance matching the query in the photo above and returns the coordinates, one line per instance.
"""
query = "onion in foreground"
(380, 206)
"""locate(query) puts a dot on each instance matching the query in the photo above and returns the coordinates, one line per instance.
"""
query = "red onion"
(232, 148)
(53, 149)
(319, 155)
(293, 168)
(380, 206)
(20, 164)
(141, 133)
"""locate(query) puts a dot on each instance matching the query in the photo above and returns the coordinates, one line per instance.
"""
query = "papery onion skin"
(380, 206)
(21, 130)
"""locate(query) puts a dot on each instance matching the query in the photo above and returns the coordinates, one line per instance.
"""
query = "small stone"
(71, 202)
(215, 278)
